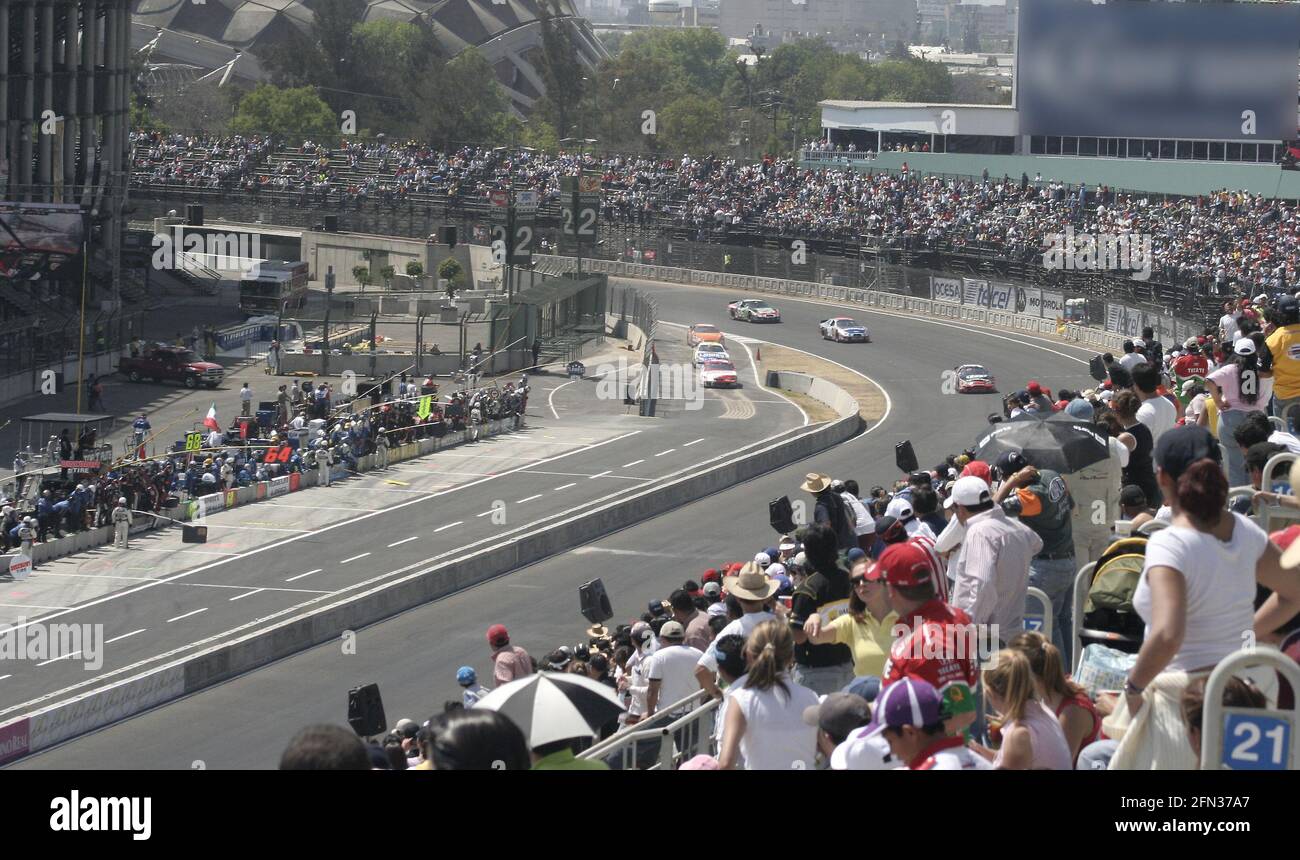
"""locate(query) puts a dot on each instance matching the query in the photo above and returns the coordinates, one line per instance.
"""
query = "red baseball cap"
(497, 635)
(979, 469)
(711, 575)
(1033, 387)
(905, 564)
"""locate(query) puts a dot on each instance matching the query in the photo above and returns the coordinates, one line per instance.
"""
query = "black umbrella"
(1060, 443)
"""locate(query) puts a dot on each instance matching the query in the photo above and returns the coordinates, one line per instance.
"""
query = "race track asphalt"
(246, 722)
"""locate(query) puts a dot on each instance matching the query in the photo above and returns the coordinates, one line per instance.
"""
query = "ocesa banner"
(945, 290)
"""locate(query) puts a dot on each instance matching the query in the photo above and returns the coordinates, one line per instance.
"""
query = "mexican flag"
(211, 420)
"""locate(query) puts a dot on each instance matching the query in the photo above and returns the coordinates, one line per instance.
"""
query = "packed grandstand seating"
(1238, 243)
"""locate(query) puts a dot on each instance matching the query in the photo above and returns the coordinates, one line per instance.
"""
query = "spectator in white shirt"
(1131, 356)
(671, 669)
(765, 716)
(996, 552)
(1158, 413)
(751, 589)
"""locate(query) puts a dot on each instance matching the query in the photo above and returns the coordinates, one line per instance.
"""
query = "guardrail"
(1100, 340)
(680, 738)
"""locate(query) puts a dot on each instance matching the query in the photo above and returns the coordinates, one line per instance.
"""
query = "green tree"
(290, 112)
(560, 71)
(690, 124)
(414, 268)
(389, 55)
(451, 272)
(463, 101)
(362, 276)
(326, 56)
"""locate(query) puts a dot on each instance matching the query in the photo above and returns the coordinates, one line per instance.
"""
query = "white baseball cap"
(899, 508)
(968, 492)
(864, 751)
(1244, 346)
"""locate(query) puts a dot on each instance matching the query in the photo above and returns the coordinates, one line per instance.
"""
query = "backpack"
(1109, 606)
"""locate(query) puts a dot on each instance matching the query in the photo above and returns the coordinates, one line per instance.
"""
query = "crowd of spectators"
(1237, 241)
(834, 648)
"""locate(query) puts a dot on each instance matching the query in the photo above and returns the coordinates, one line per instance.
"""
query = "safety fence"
(677, 733)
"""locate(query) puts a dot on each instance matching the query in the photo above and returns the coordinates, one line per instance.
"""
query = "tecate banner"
(945, 290)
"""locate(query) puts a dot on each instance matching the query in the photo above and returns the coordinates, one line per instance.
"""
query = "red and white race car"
(974, 378)
(719, 374)
(753, 310)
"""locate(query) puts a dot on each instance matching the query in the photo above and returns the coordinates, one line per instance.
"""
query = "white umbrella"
(553, 706)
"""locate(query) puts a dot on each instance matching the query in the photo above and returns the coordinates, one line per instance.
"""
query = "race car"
(706, 352)
(753, 310)
(757, 310)
(719, 374)
(974, 378)
(703, 333)
(844, 329)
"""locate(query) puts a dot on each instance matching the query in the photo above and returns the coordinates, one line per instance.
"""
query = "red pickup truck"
(174, 363)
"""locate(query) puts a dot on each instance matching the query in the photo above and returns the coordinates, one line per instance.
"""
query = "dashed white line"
(601, 475)
(689, 444)
(485, 513)
(187, 615)
(633, 463)
(354, 558)
(529, 499)
(2, 677)
(403, 540)
(669, 451)
(301, 575)
(247, 594)
(57, 659)
(448, 526)
(565, 487)
(124, 636)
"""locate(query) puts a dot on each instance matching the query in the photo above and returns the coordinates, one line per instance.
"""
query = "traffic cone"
(758, 354)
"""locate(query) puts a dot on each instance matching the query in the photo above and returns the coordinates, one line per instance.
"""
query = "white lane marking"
(403, 540)
(32, 606)
(689, 444)
(485, 513)
(101, 575)
(186, 615)
(587, 550)
(124, 636)
(252, 528)
(247, 594)
(550, 398)
(375, 582)
(57, 659)
(63, 610)
(669, 451)
(564, 487)
(301, 575)
(529, 499)
(448, 526)
(352, 509)
(354, 558)
(600, 475)
(194, 551)
(2, 677)
(633, 463)
(806, 419)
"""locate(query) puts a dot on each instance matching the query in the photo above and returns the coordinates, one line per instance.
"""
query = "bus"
(276, 286)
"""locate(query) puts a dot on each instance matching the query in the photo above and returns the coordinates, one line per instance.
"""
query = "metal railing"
(680, 738)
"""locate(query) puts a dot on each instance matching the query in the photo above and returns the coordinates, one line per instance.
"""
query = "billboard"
(51, 228)
(945, 290)
(1158, 70)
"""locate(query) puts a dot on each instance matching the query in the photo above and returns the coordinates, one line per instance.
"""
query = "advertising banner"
(975, 292)
(1053, 305)
(1000, 297)
(945, 290)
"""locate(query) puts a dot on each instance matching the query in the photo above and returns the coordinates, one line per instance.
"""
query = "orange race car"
(703, 333)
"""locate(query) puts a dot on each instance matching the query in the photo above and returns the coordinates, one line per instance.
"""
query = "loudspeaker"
(780, 514)
(194, 534)
(449, 235)
(331, 223)
(194, 214)
(366, 711)
(594, 602)
(905, 457)
(1097, 368)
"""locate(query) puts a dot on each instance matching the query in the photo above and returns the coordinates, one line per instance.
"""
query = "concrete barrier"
(56, 722)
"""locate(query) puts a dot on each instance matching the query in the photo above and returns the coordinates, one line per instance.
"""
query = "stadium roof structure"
(207, 35)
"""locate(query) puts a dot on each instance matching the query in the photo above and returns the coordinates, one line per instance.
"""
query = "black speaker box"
(331, 223)
(780, 513)
(366, 711)
(594, 602)
(905, 457)
(194, 214)
(194, 534)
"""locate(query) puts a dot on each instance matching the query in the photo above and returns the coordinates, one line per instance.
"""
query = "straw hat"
(751, 584)
(815, 483)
